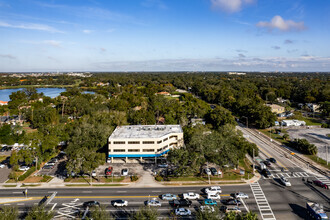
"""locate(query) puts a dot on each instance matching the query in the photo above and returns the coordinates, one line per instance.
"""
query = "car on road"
(321, 184)
(273, 160)
(267, 163)
(91, 204)
(153, 202)
(231, 202)
(210, 202)
(214, 171)
(213, 196)
(24, 168)
(2, 165)
(169, 197)
(190, 195)
(241, 195)
(266, 173)
(119, 203)
(182, 212)
(207, 171)
(108, 171)
(124, 172)
(234, 209)
(206, 208)
(285, 181)
(213, 190)
(181, 203)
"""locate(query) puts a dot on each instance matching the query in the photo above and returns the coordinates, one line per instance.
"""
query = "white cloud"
(87, 31)
(279, 23)
(288, 41)
(241, 55)
(9, 56)
(31, 26)
(276, 47)
(230, 6)
(53, 43)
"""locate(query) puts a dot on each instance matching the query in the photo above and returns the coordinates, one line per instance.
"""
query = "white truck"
(190, 195)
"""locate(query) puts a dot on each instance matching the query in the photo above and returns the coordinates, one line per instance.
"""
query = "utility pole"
(326, 151)
(208, 173)
(253, 161)
(91, 179)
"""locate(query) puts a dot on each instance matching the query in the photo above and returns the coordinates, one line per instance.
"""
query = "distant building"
(3, 103)
(293, 123)
(313, 107)
(197, 121)
(276, 108)
(144, 141)
(236, 73)
(281, 100)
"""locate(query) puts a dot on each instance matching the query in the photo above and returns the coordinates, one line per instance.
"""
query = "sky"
(164, 35)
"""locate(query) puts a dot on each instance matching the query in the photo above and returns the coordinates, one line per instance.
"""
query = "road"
(284, 202)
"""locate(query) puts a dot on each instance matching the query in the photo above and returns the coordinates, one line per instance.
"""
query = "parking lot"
(317, 136)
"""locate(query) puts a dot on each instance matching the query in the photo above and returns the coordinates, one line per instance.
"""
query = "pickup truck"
(181, 203)
(315, 211)
(190, 195)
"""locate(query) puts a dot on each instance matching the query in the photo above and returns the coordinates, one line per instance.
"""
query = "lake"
(50, 92)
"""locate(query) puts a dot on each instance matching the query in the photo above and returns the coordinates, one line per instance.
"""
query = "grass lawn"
(30, 185)
(318, 160)
(74, 185)
(3, 157)
(276, 137)
(9, 185)
(87, 180)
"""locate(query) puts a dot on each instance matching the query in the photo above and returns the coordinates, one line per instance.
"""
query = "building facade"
(277, 109)
(144, 141)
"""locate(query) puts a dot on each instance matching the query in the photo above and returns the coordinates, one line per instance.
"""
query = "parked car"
(119, 203)
(210, 202)
(2, 165)
(213, 190)
(108, 171)
(206, 208)
(49, 163)
(124, 172)
(214, 171)
(241, 195)
(207, 171)
(285, 181)
(190, 195)
(94, 173)
(54, 160)
(91, 204)
(182, 212)
(321, 184)
(168, 196)
(163, 165)
(153, 202)
(181, 203)
(213, 196)
(273, 160)
(266, 173)
(48, 167)
(24, 168)
(231, 202)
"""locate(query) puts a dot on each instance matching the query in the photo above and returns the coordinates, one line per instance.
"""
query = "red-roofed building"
(3, 103)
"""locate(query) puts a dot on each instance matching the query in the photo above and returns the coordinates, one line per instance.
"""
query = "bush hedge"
(26, 174)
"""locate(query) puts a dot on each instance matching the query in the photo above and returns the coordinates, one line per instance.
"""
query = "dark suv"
(180, 203)
(213, 171)
(266, 173)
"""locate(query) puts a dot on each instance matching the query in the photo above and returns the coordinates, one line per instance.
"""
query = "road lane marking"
(53, 207)
(122, 191)
(17, 192)
(86, 191)
(156, 191)
(20, 203)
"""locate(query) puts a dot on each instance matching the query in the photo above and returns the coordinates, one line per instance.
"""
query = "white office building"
(293, 123)
(144, 141)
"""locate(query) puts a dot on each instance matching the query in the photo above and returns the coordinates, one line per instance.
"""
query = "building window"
(133, 150)
(119, 142)
(158, 142)
(134, 142)
(148, 142)
(148, 150)
(174, 136)
(118, 150)
(165, 139)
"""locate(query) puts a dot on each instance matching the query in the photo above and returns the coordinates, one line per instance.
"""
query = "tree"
(220, 116)
(100, 213)
(208, 215)
(39, 213)
(8, 213)
(250, 216)
(145, 213)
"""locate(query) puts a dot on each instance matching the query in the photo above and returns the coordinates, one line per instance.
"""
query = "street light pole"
(253, 161)
(326, 151)
(208, 174)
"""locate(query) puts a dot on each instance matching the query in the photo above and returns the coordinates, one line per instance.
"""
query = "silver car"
(169, 197)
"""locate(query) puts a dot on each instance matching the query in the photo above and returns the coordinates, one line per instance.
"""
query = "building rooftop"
(144, 131)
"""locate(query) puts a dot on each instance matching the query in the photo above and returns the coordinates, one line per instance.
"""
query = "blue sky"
(164, 35)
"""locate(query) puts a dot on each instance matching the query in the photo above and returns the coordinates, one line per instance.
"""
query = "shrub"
(134, 178)
(159, 178)
(26, 174)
